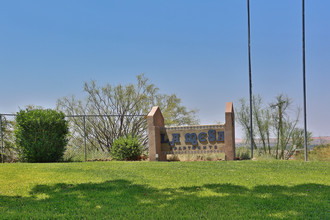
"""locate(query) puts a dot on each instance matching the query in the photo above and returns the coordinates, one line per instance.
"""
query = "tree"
(10, 150)
(123, 109)
(41, 135)
(272, 120)
(262, 120)
(243, 118)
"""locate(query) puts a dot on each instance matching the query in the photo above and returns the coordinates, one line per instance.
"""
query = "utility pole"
(250, 78)
(304, 75)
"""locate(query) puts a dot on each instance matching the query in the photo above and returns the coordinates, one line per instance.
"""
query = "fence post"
(2, 151)
(85, 138)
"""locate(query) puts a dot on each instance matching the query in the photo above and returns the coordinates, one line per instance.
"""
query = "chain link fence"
(90, 136)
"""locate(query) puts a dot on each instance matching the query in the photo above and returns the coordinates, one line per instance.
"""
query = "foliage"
(243, 118)
(126, 148)
(41, 135)
(297, 142)
(124, 108)
(269, 121)
(10, 150)
(73, 154)
(262, 117)
(177, 190)
(173, 112)
(319, 153)
(243, 153)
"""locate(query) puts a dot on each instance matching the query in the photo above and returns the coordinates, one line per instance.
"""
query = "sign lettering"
(196, 139)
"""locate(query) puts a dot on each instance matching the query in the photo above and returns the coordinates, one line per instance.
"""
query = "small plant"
(126, 148)
(243, 153)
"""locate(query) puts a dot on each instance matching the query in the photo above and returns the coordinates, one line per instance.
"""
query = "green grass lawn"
(166, 190)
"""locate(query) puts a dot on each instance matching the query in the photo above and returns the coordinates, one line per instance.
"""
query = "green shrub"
(243, 153)
(126, 148)
(319, 153)
(41, 135)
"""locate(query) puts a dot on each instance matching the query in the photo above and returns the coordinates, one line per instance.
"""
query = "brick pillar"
(155, 122)
(230, 132)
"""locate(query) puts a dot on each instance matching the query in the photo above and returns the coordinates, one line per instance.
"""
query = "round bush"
(126, 148)
(41, 135)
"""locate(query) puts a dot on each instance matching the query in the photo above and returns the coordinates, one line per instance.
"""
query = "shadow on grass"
(120, 199)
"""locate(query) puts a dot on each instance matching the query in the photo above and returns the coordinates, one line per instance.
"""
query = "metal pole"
(2, 151)
(250, 78)
(85, 137)
(304, 75)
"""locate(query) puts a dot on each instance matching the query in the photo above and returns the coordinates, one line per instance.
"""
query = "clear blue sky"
(196, 49)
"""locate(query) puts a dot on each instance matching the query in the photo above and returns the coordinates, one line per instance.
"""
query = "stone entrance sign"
(190, 139)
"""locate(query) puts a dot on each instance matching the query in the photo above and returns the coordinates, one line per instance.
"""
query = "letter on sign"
(202, 137)
(191, 138)
(176, 139)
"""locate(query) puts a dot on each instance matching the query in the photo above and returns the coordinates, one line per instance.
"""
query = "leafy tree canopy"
(126, 102)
